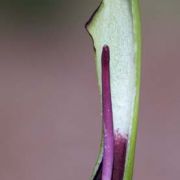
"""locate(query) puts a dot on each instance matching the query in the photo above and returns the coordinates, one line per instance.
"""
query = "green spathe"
(117, 24)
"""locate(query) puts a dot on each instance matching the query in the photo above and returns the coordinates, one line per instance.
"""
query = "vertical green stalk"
(128, 174)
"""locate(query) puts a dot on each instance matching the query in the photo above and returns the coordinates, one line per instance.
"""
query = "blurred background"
(49, 106)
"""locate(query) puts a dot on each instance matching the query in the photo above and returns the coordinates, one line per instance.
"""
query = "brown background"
(49, 105)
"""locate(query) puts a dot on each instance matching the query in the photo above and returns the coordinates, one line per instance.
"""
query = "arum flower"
(115, 30)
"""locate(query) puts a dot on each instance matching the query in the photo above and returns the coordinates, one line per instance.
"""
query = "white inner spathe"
(117, 33)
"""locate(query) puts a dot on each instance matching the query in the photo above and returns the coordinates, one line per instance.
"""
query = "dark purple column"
(107, 166)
